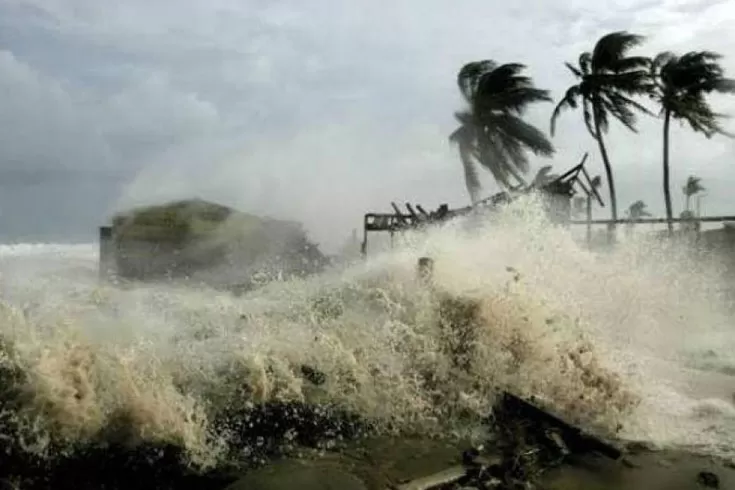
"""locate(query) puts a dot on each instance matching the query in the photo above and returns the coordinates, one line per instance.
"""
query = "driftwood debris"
(574, 438)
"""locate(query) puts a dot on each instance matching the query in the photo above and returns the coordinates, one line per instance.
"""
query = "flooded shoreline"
(630, 347)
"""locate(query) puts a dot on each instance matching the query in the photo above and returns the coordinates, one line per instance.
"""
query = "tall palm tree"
(607, 80)
(681, 86)
(692, 187)
(492, 132)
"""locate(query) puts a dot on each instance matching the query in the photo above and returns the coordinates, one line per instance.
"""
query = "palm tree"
(681, 86)
(692, 187)
(492, 132)
(638, 210)
(607, 79)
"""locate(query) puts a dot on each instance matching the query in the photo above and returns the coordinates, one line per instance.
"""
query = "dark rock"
(708, 479)
(313, 375)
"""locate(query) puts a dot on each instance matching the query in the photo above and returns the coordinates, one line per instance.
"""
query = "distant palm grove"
(610, 85)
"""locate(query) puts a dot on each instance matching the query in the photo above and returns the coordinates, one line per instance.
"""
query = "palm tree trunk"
(667, 191)
(688, 201)
(608, 170)
(589, 221)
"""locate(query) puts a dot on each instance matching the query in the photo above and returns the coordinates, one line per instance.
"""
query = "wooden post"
(363, 245)
(425, 270)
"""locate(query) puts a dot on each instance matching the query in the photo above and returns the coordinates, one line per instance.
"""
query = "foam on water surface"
(637, 338)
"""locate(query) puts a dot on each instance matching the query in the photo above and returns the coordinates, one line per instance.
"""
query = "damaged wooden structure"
(558, 194)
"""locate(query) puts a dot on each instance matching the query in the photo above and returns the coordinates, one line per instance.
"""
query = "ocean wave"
(364, 348)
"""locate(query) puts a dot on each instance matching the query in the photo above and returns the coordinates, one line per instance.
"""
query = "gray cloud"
(314, 111)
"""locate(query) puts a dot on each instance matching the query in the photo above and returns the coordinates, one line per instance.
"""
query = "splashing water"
(638, 338)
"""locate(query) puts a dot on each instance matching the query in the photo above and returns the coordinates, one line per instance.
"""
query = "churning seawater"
(638, 341)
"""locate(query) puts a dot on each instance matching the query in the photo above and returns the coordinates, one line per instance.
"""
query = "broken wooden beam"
(399, 214)
(412, 212)
(577, 441)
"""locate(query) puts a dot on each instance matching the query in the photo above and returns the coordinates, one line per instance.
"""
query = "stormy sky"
(316, 111)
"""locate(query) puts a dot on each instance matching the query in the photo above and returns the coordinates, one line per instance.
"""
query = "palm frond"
(614, 106)
(575, 71)
(495, 160)
(492, 134)
(611, 48)
(631, 63)
(588, 120)
(471, 179)
(569, 101)
(585, 63)
(469, 75)
(683, 83)
(525, 134)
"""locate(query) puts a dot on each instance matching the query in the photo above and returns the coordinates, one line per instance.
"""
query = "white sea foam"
(633, 337)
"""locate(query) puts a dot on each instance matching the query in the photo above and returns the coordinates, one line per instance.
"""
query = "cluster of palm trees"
(690, 189)
(610, 83)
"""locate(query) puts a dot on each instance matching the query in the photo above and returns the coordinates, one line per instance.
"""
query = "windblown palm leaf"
(608, 79)
(681, 86)
(492, 132)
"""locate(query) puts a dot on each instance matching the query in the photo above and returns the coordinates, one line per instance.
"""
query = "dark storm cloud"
(298, 109)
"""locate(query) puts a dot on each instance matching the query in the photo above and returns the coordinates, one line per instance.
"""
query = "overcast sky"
(316, 111)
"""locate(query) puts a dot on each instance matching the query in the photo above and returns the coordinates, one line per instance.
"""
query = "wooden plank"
(575, 438)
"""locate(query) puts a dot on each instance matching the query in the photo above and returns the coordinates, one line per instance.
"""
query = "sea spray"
(593, 335)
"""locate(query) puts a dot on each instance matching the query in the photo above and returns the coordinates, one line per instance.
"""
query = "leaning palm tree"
(492, 132)
(692, 187)
(607, 80)
(681, 86)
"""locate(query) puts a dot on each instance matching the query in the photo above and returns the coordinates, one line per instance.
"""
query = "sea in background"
(637, 342)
